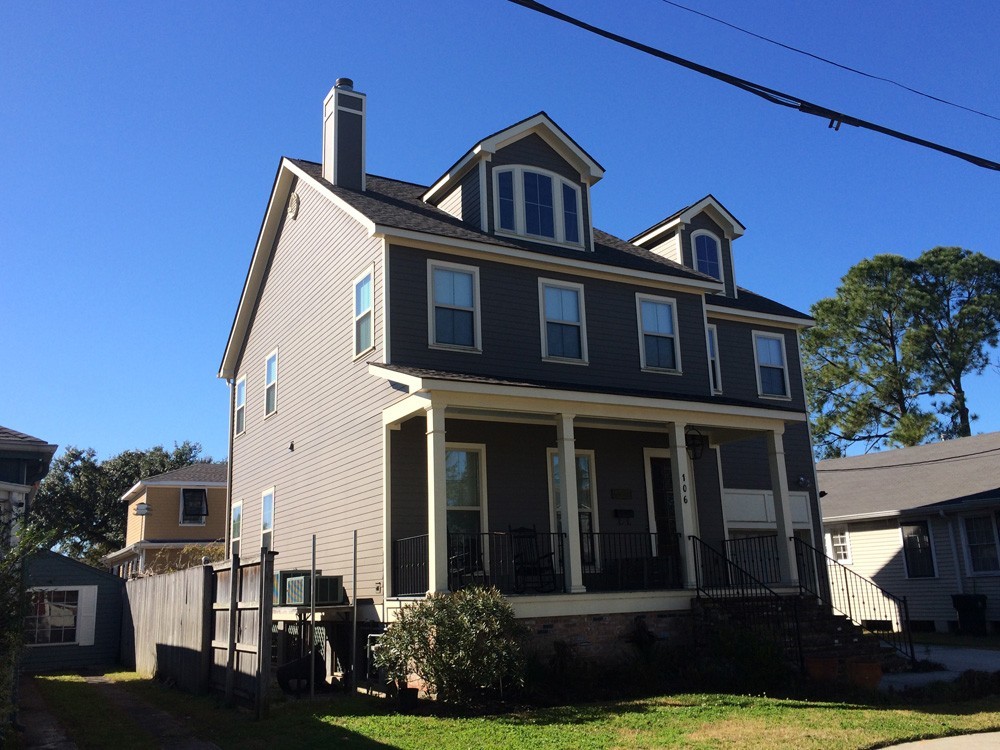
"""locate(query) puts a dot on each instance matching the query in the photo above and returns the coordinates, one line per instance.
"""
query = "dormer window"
(707, 257)
(537, 203)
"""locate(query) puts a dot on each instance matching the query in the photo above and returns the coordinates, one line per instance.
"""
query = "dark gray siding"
(736, 362)
(512, 335)
(701, 221)
(711, 524)
(48, 569)
(464, 201)
(328, 405)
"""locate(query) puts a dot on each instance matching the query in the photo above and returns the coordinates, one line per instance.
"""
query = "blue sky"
(139, 142)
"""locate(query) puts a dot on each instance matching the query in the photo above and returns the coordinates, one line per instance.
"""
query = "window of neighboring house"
(236, 527)
(769, 355)
(917, 549)
(981, 541)
(363, 338)
(194, 507)
(454, 295)
(61, 615)
(537, 203)
(271, 384)
(267, 519)
(586, 497)
(659, 348)
(707, 257)
(464, 484)
(840, 544)
(564, 330)
(714, 371)
(241, 405)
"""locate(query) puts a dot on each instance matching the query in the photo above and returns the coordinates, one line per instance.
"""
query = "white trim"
(640, 297)
(232, 539)
(518, 172)
(85, 618)
(265, 493)
(368, 273)
(712, 335)
(242, 379)
(180, 515)
(432, 342)
(484, 220)
(930, 539)
(384, 303)
(718, 253)
(581, 312)
(479, 448)
(273, 353)
(749, 316)
(685, 217)
(787, 396)
(831, 551)
(554, 525)
(967, 552)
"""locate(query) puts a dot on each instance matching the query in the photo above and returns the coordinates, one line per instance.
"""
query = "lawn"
(683, 720)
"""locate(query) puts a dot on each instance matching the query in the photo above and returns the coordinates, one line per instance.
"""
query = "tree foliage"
(79, 501)
(885, 362)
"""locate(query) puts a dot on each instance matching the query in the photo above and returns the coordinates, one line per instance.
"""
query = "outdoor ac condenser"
(329, 590)
(281, 584)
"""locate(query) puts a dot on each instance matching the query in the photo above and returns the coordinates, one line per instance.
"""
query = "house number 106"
(684, 486)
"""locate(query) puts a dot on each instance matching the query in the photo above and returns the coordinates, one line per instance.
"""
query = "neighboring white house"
(922, 522)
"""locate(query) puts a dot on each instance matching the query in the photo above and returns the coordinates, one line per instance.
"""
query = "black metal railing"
(756, 554)
(409, 564)
(748, 599)
(860, 599)
(516, 562)
(630, 561)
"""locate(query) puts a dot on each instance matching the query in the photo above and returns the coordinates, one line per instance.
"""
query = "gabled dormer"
(699, 236)
(529, 181)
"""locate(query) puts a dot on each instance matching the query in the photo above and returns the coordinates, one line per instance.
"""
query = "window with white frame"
(658, 346)
(586, 497)
(707, 255)
(714, 370)
(194, 506)
(453, 292)
(271, 384)
(61, 615)
(363, 334)
(564, 328)
(241, 405)
(769, 356)
(981, 543)
(917, 552)
(840, 544)
(537, 203)
(464, 466)
(235, 527)
(267, 519)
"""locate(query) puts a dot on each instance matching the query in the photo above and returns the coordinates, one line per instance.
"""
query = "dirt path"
(41, 730)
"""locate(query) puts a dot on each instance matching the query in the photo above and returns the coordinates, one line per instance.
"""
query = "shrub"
(464, 645)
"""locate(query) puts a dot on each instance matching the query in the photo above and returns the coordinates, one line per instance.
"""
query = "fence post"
(264, 641)
(207, 627)
(234, 595)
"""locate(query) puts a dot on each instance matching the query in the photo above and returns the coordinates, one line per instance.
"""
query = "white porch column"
(782, 508)
(437, 503)
(569, 503)
(680, 472)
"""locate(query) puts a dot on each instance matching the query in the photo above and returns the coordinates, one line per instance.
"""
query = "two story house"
(168, 514)
(421, 363)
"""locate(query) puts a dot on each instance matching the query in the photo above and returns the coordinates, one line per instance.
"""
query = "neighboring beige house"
(922, 522)
(24, 461)
(169, 512)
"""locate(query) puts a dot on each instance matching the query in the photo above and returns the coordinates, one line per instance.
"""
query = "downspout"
(959, 580)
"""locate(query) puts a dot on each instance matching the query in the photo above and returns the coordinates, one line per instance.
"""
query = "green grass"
(674, 721)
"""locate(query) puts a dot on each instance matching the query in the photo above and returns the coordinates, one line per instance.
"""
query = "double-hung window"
(194, 506)
(267, 519)
(981, 542)
(453, 291)
(235, 527)
(840, 544)
(537, 203)
(363, 339)
(61, 615)
(464, 484)
(241, 405)
(714, 371)
(707, 257)
(564, 329)
(772, 372)
(658, 346)
(917, 549)
(586, 499)
(271, 384)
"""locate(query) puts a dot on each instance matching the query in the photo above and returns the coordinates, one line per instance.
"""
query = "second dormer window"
(535, 203)
(707, 258)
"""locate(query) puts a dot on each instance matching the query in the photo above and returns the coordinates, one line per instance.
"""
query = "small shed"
(74, 615)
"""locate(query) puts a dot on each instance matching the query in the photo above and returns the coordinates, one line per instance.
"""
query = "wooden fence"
(205, 628)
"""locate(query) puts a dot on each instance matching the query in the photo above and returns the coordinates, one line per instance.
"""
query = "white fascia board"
(644, 239)
(748, 316)
(554, 136)
(454, 174)
(541, 260)
(263, 250)
(413, 382)
(134, 491)
(736, 229)
(873, 516)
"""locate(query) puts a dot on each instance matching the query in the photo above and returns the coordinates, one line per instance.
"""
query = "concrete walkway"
(956, 660)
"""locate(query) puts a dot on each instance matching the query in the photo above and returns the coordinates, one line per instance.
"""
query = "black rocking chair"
(532, 568)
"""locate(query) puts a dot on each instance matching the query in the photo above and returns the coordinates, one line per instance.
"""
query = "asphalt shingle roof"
(193, 473)
(18, 441)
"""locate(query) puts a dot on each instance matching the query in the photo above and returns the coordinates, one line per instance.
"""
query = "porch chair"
(531, 566)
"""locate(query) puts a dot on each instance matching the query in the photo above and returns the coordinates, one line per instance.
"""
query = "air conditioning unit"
(279, 587)
(329, 590)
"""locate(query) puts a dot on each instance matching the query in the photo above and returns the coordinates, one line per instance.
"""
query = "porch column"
(569, 503)
(782, 508)
(437, 503)
(680, 473)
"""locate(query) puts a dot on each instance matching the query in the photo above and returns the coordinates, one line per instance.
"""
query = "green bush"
(464, 645)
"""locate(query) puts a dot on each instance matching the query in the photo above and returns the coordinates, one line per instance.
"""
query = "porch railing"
(860, 599)
(514, 562)
(409, 564)
(756, 554)
(625, 561)
(747, 599)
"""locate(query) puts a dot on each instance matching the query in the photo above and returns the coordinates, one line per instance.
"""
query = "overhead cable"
(960, 457)
(835, 118)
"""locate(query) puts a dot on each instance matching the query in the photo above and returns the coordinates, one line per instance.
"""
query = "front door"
(664, 513)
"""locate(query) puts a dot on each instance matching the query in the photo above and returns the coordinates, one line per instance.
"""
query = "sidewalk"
(956, 660)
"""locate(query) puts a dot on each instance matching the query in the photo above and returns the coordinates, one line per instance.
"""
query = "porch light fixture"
(695, 443)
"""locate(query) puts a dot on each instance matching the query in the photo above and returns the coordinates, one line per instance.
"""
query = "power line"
(835, 118)
(960, 457)
(827, 60)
